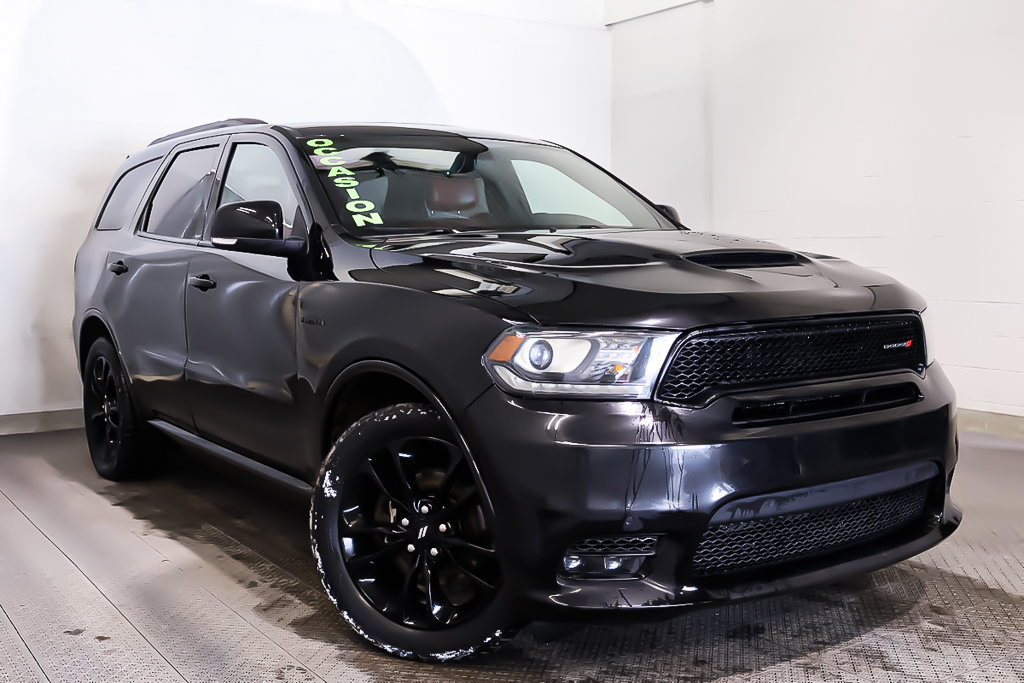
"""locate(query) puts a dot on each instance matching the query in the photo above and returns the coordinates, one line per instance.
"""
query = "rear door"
(240, 313)
(145, 298)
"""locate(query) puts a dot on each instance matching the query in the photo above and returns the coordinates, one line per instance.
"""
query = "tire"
(416, 574)
(118, 444)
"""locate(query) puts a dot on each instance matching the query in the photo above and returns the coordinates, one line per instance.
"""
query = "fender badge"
(313, 321)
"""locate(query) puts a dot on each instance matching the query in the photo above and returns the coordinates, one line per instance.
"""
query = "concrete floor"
(205, 574)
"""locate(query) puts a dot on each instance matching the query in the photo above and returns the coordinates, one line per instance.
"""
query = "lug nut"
(433, 552)
(424, 509)
(405, 521)
(410, 548)
(443, 528)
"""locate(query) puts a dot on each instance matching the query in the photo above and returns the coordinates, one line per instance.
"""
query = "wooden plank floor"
(204, 574)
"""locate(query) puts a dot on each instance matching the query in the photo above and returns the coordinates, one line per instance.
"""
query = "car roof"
(388, 130)
(357, 131)
(356, 134)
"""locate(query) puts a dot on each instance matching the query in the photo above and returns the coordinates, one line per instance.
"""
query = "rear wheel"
(118, 447)
(403, 538)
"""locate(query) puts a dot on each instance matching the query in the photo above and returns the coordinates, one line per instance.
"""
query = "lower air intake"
(751, 544)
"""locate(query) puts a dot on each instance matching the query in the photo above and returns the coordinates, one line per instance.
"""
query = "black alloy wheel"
(115, 444)
(403, 538)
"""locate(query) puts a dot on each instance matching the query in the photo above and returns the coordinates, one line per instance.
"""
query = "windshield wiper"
(418, 232)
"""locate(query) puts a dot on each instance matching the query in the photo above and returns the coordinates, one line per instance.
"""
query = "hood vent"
(735, 258)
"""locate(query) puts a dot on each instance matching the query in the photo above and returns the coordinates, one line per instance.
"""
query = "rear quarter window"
(126, 196)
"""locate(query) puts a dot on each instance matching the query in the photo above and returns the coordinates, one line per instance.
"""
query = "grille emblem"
(898, 345)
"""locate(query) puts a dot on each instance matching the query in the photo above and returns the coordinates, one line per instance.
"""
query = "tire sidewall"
(479, 632)
(122, 461)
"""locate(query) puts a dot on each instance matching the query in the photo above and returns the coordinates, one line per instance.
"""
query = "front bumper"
(559, 472)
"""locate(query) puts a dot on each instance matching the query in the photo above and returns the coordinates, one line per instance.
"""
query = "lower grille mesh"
(619, 545)
(750, 544)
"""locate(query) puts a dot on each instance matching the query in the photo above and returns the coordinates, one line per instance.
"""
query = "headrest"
(453, 194)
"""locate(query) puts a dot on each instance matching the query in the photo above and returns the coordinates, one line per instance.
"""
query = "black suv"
(513, 387)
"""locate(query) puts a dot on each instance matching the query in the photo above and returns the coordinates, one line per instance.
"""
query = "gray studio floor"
(205, 575)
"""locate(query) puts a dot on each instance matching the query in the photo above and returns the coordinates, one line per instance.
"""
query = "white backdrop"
(82, 84)
(889, 133)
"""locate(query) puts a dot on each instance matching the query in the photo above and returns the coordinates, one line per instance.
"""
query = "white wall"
(891, 133)
(82, 84)
(660, 79)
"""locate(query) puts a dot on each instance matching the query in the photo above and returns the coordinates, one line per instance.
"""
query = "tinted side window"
(125, 197)
(256, 173)
(179, 205)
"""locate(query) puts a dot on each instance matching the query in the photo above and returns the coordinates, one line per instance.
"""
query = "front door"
(240, 316)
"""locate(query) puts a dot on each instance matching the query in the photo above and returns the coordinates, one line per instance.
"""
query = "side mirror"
(669, 211)
(255, 227)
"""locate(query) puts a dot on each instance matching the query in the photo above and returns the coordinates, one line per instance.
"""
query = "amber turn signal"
(506, 348)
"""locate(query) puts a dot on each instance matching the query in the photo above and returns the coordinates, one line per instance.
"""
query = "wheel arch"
(92, 328)
(389, 383)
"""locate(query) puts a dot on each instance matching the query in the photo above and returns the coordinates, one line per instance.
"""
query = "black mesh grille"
(620, 545)
(739, 546)
(752, 413)
(779, 354)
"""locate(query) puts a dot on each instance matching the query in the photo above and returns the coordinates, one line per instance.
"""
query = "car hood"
(638, 278)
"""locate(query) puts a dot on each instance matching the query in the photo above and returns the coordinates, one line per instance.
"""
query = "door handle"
(201, 282)
(117, 267)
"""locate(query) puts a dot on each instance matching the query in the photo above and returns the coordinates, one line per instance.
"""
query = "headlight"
(586, 364)
(929, 336)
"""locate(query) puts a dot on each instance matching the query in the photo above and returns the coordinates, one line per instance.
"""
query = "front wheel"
(403, 538)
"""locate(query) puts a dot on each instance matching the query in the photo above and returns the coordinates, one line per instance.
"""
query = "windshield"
(454, 183)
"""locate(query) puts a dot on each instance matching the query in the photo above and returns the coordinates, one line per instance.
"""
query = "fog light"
(611, 563)
(603, 566)
(612, 557)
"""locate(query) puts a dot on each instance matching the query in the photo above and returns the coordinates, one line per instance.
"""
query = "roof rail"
(216, 125)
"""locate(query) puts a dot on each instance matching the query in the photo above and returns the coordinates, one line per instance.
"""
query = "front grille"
(619, 545)
(727, 359)
(752, 544)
